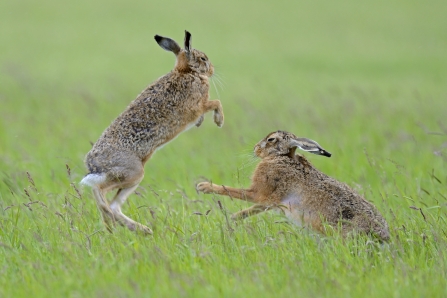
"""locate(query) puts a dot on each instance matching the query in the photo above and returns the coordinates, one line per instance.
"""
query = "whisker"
(249, 158)
(220, 80)
(217, 91)
(218, 75)
(246, 165)
(245, 153)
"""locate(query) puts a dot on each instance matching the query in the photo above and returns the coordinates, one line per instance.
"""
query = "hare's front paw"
(219, 118)
(204, 187)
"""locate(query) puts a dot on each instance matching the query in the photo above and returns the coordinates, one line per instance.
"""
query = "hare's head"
(188, 59)
(285, 143)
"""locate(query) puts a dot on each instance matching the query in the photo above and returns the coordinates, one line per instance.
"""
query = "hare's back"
(340, 195)
(162, 111)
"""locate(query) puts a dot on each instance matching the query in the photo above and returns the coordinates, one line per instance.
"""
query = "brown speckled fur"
(170, 105)
(307, 196)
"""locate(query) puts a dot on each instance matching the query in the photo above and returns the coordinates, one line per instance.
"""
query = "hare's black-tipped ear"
(309, 146)
(167, 44)
(187, 41)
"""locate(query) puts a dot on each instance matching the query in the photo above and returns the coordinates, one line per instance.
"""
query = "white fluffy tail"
(93, 179)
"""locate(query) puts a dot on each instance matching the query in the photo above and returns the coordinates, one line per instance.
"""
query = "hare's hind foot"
(131, 224)
(122, 219)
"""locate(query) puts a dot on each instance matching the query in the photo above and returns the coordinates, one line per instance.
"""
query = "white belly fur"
(293, 209)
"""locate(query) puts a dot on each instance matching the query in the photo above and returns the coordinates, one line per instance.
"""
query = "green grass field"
(368, 81)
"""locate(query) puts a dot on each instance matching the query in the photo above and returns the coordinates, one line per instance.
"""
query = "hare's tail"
(93, 179)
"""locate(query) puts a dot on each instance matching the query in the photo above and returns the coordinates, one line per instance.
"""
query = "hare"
(172, 104)
(307, 196)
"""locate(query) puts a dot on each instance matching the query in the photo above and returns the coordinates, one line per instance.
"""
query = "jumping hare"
(167, 107)
(307, 196)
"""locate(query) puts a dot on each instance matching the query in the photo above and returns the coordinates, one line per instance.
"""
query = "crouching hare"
(308, 197)
(167, 107)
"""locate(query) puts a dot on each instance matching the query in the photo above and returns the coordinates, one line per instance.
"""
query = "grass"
(365, 80)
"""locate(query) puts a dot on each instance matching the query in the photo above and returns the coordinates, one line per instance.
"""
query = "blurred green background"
(367, 80)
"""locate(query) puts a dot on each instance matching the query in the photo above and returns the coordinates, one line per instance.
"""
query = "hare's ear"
(309, 146)
(167, 44)
(187, 41)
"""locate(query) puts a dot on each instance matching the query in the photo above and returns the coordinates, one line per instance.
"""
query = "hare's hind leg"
(106, 212)
(253, 210)
(127, 173)
(95, 181)
(122, 219)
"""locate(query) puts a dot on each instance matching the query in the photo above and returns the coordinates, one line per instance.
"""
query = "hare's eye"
(271, 139)
(202, 58)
